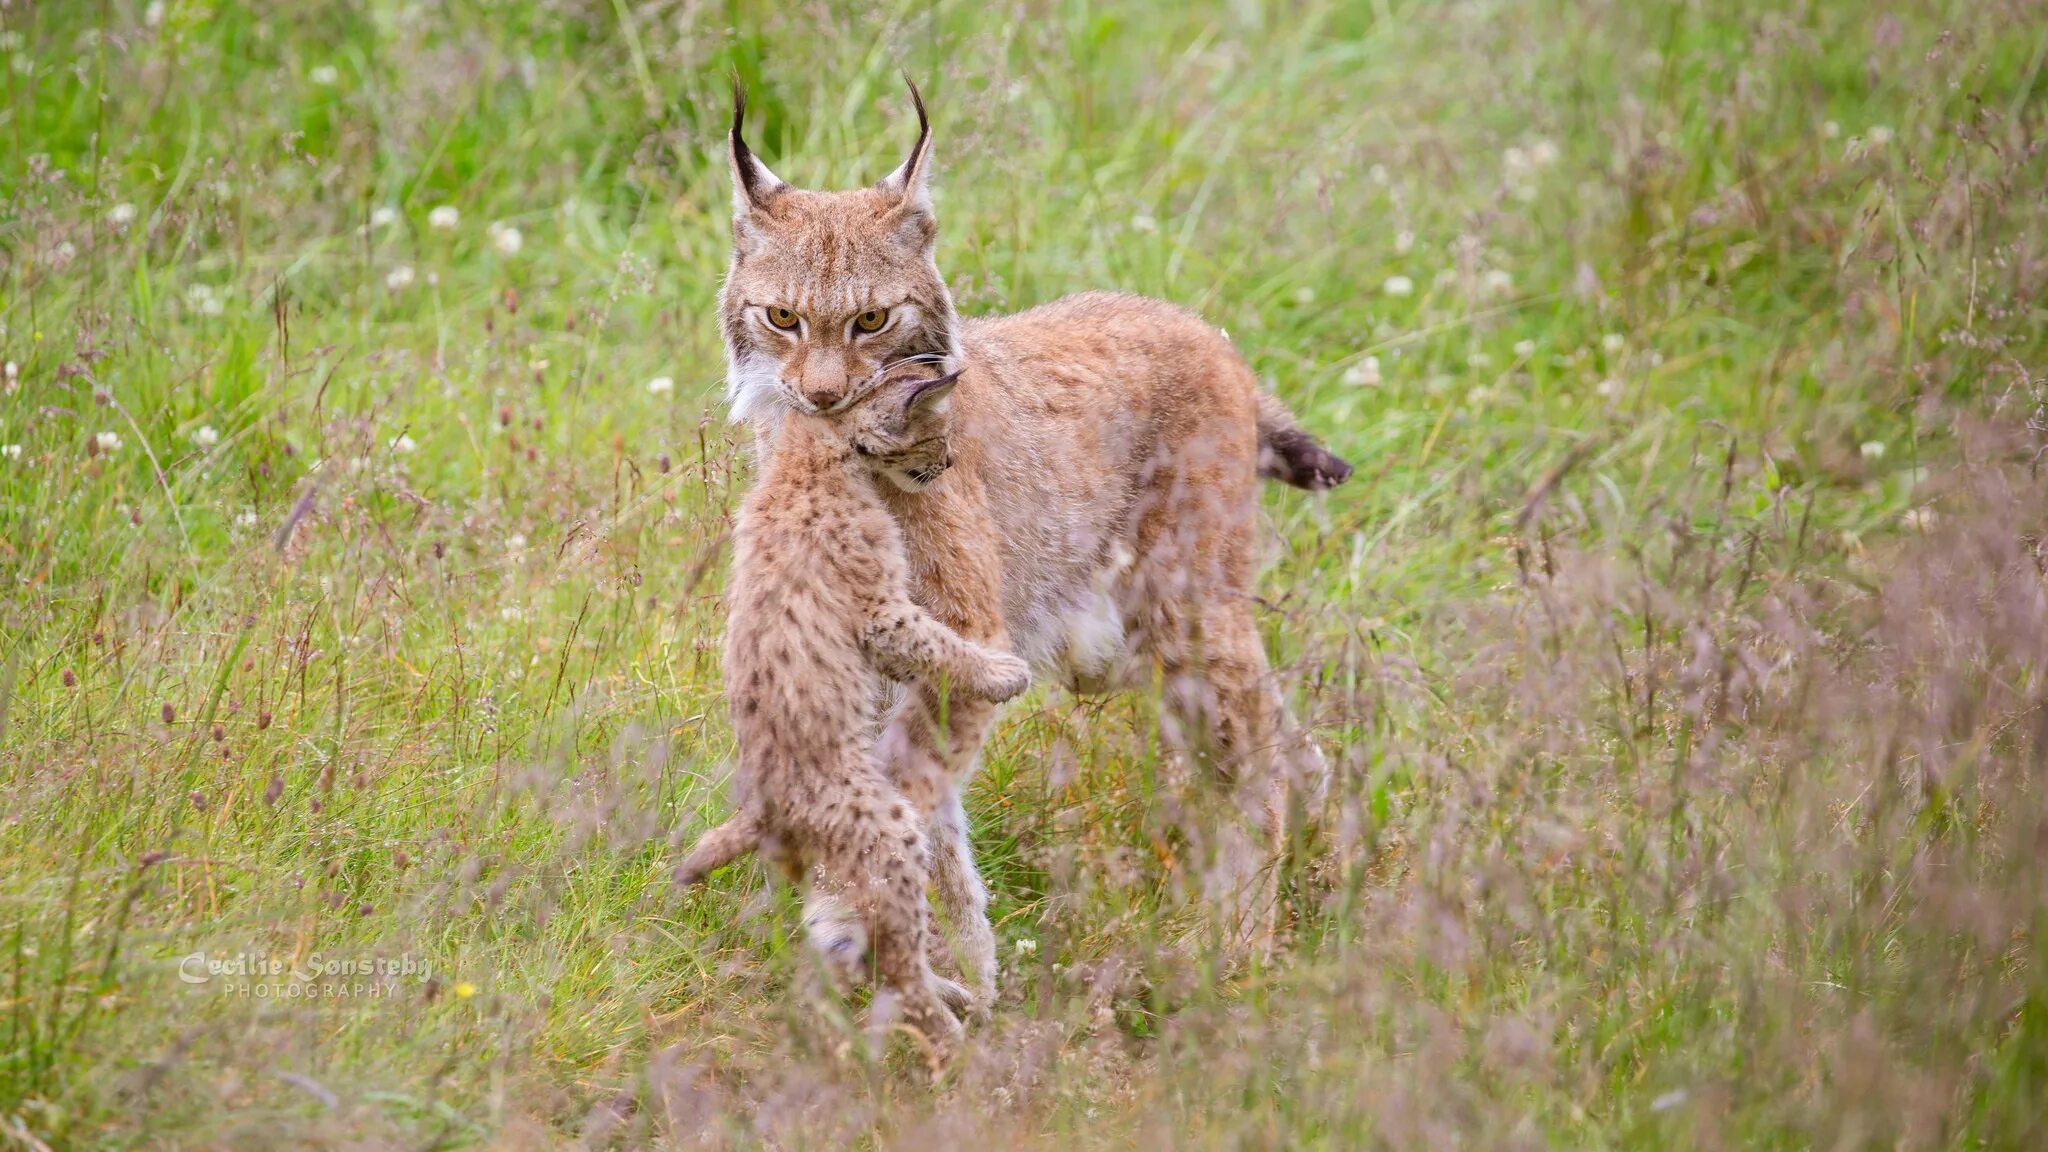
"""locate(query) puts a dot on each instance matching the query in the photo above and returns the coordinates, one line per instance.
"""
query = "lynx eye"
(871, 320)
(782, 317)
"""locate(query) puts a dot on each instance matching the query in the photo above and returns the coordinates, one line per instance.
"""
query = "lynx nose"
(822, 399)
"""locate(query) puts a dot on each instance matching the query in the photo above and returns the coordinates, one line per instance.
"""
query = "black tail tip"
(1293, 457)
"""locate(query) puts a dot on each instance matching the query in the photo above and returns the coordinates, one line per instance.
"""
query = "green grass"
(1678, 642)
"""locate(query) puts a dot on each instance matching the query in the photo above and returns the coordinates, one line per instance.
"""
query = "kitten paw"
(839, 938)
(953, 994)
(1006, 676)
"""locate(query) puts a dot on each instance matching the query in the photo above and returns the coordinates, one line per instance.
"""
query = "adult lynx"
(819, 615)
(1099, 508)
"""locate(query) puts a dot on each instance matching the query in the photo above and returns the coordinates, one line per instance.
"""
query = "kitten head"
(829, 289)
(899, 430)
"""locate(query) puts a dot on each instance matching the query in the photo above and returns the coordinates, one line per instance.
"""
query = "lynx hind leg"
(1225, 700)
(907, 643)
(834, 930)
(1189, 604)
(717, 848)
(871, 850)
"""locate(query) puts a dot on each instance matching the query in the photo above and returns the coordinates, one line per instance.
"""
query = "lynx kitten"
(820, 612)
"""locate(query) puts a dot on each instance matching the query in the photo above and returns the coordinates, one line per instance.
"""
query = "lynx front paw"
(1006, 676)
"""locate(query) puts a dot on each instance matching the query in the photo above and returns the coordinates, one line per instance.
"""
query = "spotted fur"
(820, 614)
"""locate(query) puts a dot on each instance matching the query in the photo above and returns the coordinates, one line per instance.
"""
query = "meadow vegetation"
(1679, 644)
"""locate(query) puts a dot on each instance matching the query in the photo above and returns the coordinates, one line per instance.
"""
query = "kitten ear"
(910, 184)
(928, 394)
(753, 185)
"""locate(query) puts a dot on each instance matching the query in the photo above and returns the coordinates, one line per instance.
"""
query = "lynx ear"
(930, 393)
(911, 182)
(753, 185)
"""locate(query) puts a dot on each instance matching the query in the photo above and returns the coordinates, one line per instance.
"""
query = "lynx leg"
(834, 930)
(1188, 605)
(965, 898)
(907, 643)
(933, 771)
(1219, 695)
(871, 848)
(717, 848)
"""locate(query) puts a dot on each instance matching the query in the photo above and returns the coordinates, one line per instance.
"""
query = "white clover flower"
(1609, 388)
(1525, 348)
(512, 612)
(1027, 947)
(399, 278)
(1404, 242)
(1880, 135)
(1364, 374)
(13, 371)
(121, 215)
(11, 451)
(1515, 161)
(64, 253)
(1497, 282)
(153, 15)
(325, 75)
(203, 299)
(661, 385)
(1479, 360)
(506, 239)
(1377, 174)
(246, 519)
(444, 217)
(1304, 295)
(1831, 129)
(108, 442)
(1872, 449)
(1543, 153)
(1143, 222)
(206, 437)
(1613, 343)
(403, 445)
(1398, 286)
(383, 216)
(515, 542)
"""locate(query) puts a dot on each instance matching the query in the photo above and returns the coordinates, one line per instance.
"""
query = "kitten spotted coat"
(820, 614)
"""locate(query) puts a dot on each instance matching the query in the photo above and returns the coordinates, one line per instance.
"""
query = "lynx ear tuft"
(911, 182)
(753, 185)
